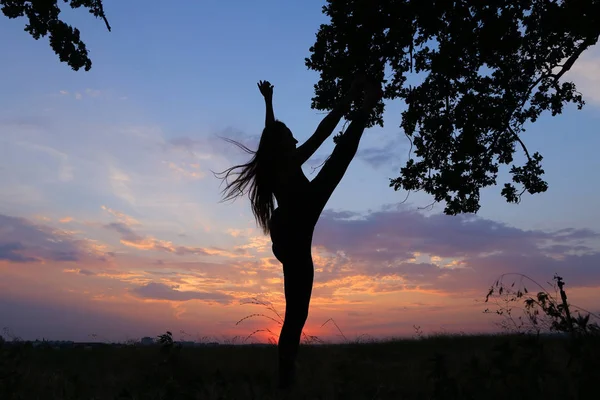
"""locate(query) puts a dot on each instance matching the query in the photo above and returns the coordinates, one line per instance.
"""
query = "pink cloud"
(132, 239)
(442, 253)
(161, 291)
(24, 241)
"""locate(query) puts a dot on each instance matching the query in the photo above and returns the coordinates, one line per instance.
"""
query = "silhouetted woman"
(275, 173)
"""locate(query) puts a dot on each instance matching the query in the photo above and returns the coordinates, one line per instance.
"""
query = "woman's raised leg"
(323, 185)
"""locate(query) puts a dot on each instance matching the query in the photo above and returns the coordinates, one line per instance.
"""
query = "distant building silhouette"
(147, 341)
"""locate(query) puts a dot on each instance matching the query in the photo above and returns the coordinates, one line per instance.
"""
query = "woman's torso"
(290, 228)
(291, 186)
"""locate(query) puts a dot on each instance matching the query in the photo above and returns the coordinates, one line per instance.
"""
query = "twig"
(257, 315)
(336, 325)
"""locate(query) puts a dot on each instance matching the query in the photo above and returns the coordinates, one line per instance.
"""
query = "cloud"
(23, 241)
(116, 161)
(387, 259)
(120, 184)
(389, 251)
(396, 249)
(126, 232)
(37, 122)
(93, 92)
(79, 271)
(205, 148)
(399, 233)
(132, 239)
(386, 156)
(75, 320)
(377, 157)
(585, 73)
(370, 254)
(11, 252)
(186, 170)
(160, 291)
(122, 217)
(65, 170)
(78, 95)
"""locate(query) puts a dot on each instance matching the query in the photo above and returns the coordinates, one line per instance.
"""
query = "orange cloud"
(186, 173)
(161, 291)
(80, 271)
(237, 252)
(150, 243)
(122, 217)
(261, 244)
(236, 232)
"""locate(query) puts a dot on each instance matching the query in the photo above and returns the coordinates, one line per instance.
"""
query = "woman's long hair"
(256, 176)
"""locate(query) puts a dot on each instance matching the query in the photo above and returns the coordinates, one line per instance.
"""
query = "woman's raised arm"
(266, 89)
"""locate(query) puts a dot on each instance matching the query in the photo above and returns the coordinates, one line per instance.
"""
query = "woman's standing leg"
(298, 281)
(291, 245)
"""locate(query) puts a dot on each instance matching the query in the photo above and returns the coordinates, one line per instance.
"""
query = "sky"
(110, 222)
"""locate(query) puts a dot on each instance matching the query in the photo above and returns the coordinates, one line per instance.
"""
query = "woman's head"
(276, 139)
(256, 176)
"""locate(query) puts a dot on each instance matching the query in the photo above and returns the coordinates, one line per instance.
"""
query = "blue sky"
(132, 142)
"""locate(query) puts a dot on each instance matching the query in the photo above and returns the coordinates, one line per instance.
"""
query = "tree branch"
(569, 63)
(106, 22)
(565, 68)
(520, 142)
(522, 103)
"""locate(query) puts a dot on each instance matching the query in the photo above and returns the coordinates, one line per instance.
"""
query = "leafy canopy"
(44, 19)
(488, 66)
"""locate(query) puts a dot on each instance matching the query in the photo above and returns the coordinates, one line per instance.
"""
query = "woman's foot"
(287, 374)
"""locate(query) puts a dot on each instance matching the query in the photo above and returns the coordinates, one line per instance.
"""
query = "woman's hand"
(266, 89)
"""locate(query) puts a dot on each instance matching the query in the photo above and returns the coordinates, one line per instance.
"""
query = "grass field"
(439, 367)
